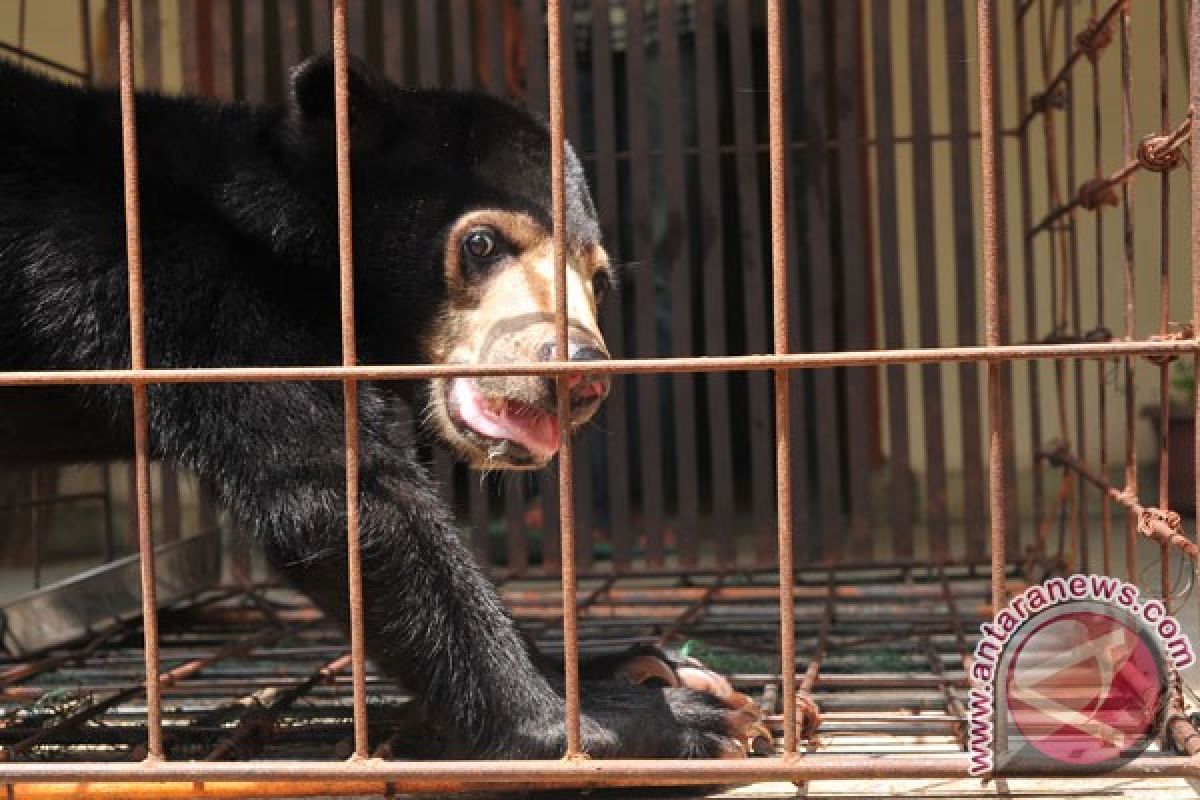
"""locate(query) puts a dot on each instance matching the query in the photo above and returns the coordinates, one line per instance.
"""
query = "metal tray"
(95, 599)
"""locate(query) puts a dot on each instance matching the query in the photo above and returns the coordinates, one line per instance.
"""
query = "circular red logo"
(1084, 686)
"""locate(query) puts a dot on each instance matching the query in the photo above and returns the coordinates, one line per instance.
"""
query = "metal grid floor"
(257, 673)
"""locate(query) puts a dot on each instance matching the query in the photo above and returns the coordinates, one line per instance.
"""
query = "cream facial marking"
(500, 269)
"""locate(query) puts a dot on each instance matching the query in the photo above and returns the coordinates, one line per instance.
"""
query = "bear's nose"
(586, 390)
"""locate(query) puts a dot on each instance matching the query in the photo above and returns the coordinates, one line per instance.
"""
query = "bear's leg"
(275, 454)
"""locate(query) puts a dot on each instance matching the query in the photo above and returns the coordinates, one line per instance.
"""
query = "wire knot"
(1044, 101)
(1180, 334)
(1153, 519)
(809, 715)
(1095, 193)
(1159, 153)
(1093, 39)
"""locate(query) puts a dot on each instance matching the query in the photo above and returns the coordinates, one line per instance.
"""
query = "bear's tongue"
(529, 427)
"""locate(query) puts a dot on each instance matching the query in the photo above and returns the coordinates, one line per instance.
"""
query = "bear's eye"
(601, 284)
(481, 248)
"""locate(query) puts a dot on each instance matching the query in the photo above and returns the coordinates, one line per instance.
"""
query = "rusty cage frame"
(367, 775)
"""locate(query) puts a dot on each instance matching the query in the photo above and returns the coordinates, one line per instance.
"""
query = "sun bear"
(453, 264)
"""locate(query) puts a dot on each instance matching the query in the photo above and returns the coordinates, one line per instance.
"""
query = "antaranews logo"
(1072, 675)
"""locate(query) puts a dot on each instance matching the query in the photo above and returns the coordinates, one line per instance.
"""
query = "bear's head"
(454, 255)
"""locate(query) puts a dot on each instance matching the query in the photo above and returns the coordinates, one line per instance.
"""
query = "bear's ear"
(310, 96)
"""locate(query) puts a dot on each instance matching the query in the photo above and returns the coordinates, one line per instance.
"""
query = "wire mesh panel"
(684, 105)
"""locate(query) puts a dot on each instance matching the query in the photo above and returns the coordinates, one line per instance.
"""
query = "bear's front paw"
(715, 726)
(621, 720)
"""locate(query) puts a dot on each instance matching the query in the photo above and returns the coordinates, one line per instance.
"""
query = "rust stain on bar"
(341, 92)
(566, 506)
(1164, 302)
(137, 350)
(998, 441)
(1158, 153)
(1130, 319)
(1087, 42)
(1158, 524)
(629, 366)
(783, 426)
(468, 775)
(1194, 94)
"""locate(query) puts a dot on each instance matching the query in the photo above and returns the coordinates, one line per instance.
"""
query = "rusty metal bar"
(21, 672)
(1155, 153)
(1087, 43)
(686, 460)
(137, 349)
(1158, 524)
(1194, 109)
(168, 678)
(929, 334)
(966, 323)
(747, 180)
(783, 425)
(554, 24)
(634, 366)
(954, 706)
(998, 443)
(613, 314)
(807, 718)
(450, 776)
(1033, 374)
(1130, 298)
(358, 653)
(1164, 303)
(262, 716)
(1079, 520)
(1101, 383)
(900, 479)
(642, 252)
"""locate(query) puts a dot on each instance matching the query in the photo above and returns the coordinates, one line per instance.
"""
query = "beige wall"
(1146, 189)
(53, 29)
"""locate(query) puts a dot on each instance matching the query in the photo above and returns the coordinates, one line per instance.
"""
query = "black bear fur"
(239, 238)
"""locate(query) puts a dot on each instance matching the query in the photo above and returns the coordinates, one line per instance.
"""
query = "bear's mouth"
(507, 430)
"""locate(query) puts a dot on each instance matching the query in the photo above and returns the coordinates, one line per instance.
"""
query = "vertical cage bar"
(856, 300)
(822, 296)
(137, 350)
(1101, 383)
(566, 507)
(929, 334)
(965, 263)
(1164, 304)
(674, 110)
(748, 181)
(1033, 370)
(1080, 519)
(1131, 477)
(1194, 102)
(779, 319)
(641, 191)
(341, 90)
(607, 192)
(900, 481)
(85, 31)
(712, 273)
(989, 198)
